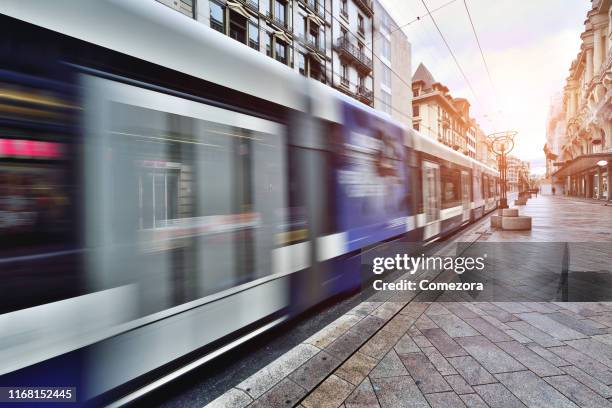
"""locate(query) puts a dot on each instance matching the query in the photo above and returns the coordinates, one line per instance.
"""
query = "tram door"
(465, 195)
(431, 199)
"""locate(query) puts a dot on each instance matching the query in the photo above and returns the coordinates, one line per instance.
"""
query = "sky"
(528, 46)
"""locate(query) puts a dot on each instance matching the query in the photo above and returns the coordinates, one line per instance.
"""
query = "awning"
(283, 36)
(238, 8)
(582, 163)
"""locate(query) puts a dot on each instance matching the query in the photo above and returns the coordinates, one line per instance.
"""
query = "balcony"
(252, 5)
(365, 95)
(350, 52)
(316, 7)
(366, 6)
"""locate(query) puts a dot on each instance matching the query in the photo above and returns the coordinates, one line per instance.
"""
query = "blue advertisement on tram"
(371, 192)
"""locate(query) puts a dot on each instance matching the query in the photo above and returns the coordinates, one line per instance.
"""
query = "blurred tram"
(167, 193)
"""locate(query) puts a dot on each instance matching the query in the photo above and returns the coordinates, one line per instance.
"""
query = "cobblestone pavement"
(430, 349)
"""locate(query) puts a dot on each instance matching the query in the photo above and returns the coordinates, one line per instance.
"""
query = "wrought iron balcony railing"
(366, 6)
(346, 48)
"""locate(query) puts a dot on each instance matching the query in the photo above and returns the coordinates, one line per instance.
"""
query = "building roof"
(423, 74)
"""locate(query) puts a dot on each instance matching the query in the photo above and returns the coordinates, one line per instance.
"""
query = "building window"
(237, 27)
(281, 52)
(415, 92)
(315, 70)
(387, 102)
(415, 126)
(344, 8)
(301, 27)
(386, 48)
(268, 43)
(313, 34)
(361, 81)
(217, 17)
(344, 79)
(415, 110)
(253, 35)
(386, 76)
(302, 63)
(322, 37)
(344, 33)
(360, 24)
(280, 11)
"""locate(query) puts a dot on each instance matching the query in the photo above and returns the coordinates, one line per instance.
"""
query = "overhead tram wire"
(418, 18)
(450, 50)
(484, 60)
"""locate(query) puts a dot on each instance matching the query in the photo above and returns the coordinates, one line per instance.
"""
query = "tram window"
(195, 205)
(451, 187)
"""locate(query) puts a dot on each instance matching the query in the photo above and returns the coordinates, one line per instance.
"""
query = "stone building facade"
(582, 164)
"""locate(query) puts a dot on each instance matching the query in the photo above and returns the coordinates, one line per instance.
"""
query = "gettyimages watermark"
(423, 263)
(493, 271)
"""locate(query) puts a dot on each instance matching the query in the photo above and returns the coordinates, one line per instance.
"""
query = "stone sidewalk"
(431, 349)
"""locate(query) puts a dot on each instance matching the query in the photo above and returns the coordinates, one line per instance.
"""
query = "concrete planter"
(519, 223)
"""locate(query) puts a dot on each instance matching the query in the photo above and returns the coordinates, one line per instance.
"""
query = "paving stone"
(585, 363)
(356, 368)
(550, 326)
(234, 398)
(459, 385)
(441, 364)
(577, 392)
(443, 342)
(534, 391)
(460, 310)
(425, 375)
(422, 341)
(489, 355)
(388, 309)
(603, 318)
(498, 396)
(406, 345)
(500, 314)
(595, 349)
(436, 309)
(453, 326)
(541, 307)
(488, 330)
(471, 371)
(518, 336)
(345, 345)
(413, 331)
(368, 326)
(363, 396)
(284, 394)
(309, 374)
(496, 323)
(398, 392)
(364, 308)
(581, 308)
(473, 401)
(444, 400)
(329, 394)
(424, 322)
(582, 326)
(593, 383)
(472, 306)
(513, 307)
(325, 336)
(534, 334)
(280, 368)
(379, 344)
(529, 359)
(399, 324)
(547, 355)
(414, 309)
(389, 366)
(603, 338)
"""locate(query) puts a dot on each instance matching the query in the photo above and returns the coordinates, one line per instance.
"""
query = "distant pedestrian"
(554, 190)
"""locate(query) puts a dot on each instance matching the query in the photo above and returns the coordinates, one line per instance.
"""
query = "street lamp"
(501, 144)
(602, 163)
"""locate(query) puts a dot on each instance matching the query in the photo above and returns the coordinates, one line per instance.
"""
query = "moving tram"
(168, 193)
